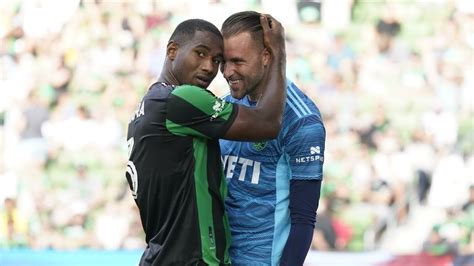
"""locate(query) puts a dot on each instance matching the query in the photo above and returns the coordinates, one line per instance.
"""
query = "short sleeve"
(193, 111)
(304, 144)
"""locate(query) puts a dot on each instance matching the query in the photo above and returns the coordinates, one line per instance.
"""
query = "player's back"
(160, 172)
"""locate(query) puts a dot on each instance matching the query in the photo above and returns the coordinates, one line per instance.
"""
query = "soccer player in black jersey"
(174, 168)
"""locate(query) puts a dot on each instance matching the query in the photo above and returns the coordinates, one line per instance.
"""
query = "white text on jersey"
(311, 158)
(230, 162)
(139, 111)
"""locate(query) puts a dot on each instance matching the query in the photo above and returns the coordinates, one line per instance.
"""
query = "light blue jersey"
(259, 173)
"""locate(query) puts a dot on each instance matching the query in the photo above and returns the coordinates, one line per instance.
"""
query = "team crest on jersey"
(259, 145)
(218, 107)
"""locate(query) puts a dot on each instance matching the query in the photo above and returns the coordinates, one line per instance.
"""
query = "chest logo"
(258, 146)
(218, 107)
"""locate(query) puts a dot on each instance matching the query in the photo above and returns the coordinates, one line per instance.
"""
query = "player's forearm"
(304, 201)
(297, 245)
(272, 103)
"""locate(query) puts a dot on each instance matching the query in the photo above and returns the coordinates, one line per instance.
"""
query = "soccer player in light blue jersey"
(273, 185)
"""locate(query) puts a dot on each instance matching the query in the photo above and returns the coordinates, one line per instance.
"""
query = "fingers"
(264, 22)
(273, 33)
(271, 21)
(267, 21)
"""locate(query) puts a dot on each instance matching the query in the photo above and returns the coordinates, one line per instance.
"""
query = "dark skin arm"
(264, 121)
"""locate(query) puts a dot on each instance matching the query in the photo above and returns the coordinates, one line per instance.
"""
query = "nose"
(208, 66)
(227, 70)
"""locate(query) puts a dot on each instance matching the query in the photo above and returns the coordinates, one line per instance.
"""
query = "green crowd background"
(393, 79)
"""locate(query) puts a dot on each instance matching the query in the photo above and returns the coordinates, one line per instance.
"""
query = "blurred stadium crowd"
(394, 81)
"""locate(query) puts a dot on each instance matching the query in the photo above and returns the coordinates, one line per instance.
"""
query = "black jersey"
(176, 177)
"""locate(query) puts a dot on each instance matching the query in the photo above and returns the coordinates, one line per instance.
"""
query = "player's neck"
(254, 96)
(168, 78)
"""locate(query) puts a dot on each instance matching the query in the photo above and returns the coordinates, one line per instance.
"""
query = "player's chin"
(201, 83)
(237, 94)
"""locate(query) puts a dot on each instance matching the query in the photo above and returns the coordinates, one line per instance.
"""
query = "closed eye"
(237, 61)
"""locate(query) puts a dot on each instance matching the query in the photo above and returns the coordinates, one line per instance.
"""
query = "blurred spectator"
(324, 237)
(13, 225)
(437, 245)
(32, 144)
(386, 29)
(469, 205)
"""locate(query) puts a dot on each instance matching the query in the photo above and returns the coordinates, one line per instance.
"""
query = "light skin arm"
(264, 121)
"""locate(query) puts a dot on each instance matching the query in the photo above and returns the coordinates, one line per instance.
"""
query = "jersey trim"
(204, 203)
(226, 96)
(200, 98)
(294, 108)
(225, 222)
(200, 110)
(292, 91)
(282, 213)
(181, 130)
(295, 102)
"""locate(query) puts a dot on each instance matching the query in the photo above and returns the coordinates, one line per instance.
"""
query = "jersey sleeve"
(304, 144)
(193, 111)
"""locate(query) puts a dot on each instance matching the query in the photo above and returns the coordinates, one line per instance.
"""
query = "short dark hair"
(245, 21)
(186, 30)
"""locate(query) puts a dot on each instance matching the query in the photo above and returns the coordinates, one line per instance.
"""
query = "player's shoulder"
(298, 104)
(191, 91)
(187, 87)
(159, 90)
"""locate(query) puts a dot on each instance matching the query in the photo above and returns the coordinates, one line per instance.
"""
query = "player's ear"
(171, 50)
(266, 57)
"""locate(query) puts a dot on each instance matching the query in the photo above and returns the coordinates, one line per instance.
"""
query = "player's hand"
(273, 35)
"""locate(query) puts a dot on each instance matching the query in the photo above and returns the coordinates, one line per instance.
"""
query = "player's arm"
(304, 201)
(264, 121)
(305, 145)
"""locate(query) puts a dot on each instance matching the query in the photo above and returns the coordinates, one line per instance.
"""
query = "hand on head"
(273, 34)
